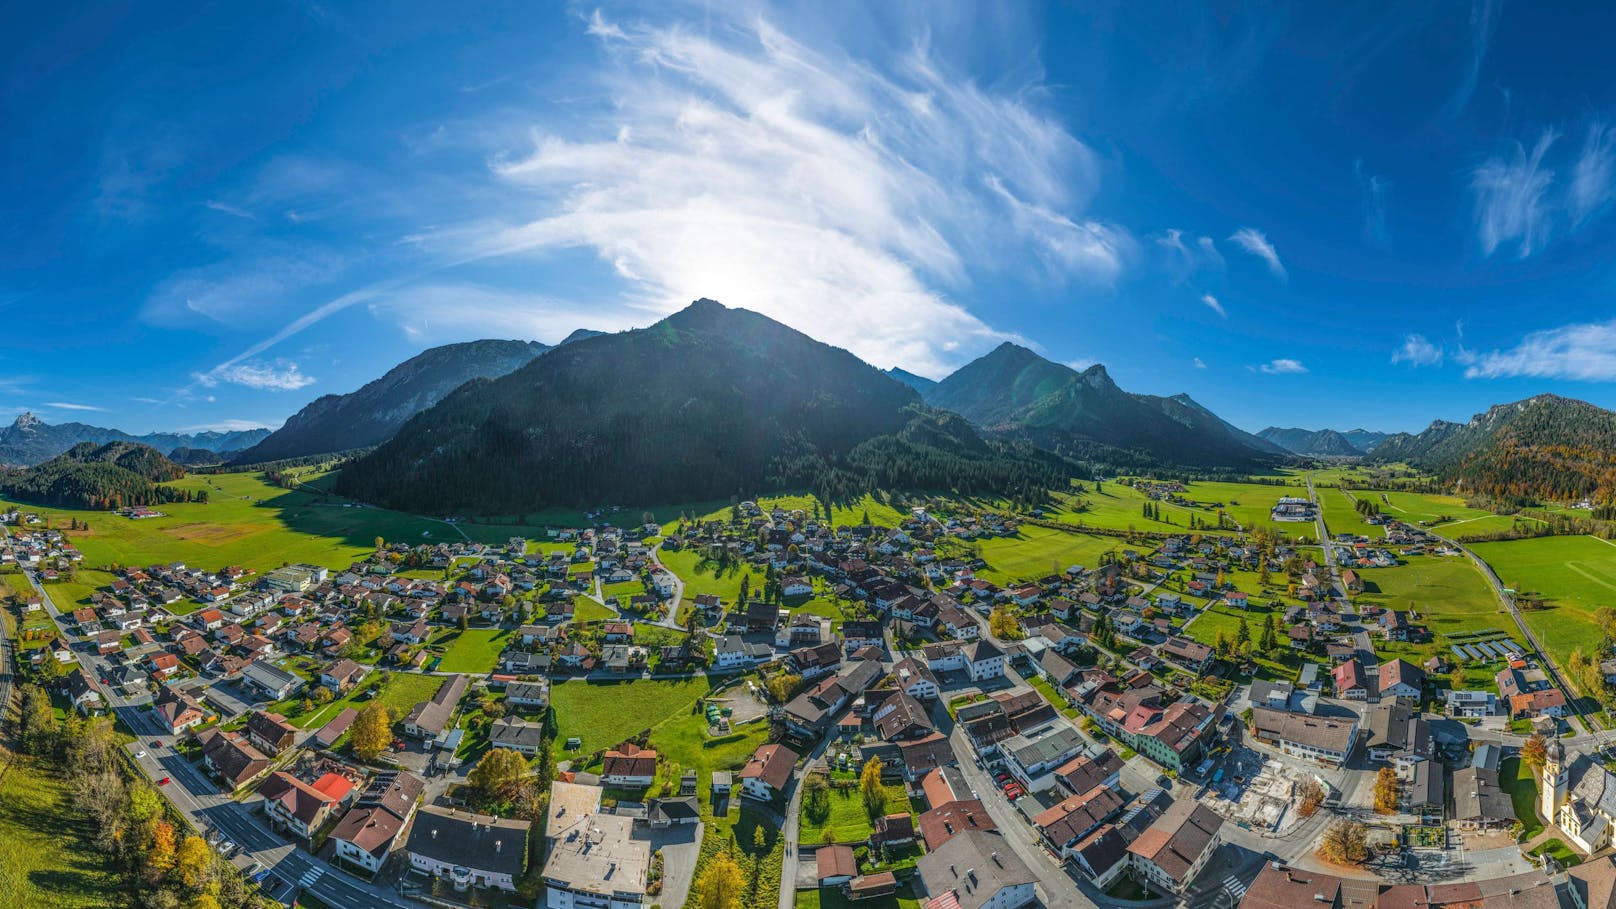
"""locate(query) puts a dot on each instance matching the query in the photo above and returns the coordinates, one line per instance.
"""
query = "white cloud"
(1417, 351)
(441, 313)
(848, 197)
(282, 375)
(1483, 22)
(1585, 352)
(1186, 256)
(1593, 176)
(1283, 367)
(1199, 364)
(226, 426)
(1374, 190)
(1213, 304)
(234, 211)
(1512, 204)
(1081, 363)
(1256, 242)
(63, 405)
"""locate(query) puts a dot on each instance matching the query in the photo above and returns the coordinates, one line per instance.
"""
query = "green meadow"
(1574, 576)
(1037, 551)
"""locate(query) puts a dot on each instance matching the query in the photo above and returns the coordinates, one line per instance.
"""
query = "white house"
(984, 660)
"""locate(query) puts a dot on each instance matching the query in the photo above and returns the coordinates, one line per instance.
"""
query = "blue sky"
(1370, 215)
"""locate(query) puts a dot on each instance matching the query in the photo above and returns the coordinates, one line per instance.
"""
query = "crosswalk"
(1233, 886)
(308, 879)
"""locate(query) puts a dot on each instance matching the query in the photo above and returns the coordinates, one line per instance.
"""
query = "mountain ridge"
(29, 440)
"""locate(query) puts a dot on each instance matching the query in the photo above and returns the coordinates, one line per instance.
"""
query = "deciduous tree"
(193, 863)
(1345, 843)
(720, 885)
(1535, 751)
(497, 774)
(372, 730)
(870, 786)
(1386, 791)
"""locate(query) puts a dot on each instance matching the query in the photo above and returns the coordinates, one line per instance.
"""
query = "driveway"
(681, 847)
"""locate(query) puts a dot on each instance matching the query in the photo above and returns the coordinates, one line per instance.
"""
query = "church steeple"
(1554, 780)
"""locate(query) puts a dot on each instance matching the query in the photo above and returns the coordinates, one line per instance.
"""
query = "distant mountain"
(1014, 393)
(706, 404)
(30, 440)
(1363, 439)
(918, 383)
(372, 414)
(114, 475)
(1317, 443)
(1545, 447)
(196, 457)
(1251, 440)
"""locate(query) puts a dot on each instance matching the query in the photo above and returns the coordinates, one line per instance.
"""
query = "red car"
(156, 744)
(164, 781)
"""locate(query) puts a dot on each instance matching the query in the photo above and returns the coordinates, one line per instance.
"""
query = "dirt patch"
(211, 534)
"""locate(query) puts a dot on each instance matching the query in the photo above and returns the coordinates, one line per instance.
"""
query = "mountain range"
(30, 440)
(709, 403)
(370, 416)
(1324, 443)
(1014, 393)
(114, 475)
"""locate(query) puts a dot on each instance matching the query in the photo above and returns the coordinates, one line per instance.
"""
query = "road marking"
(310, 877)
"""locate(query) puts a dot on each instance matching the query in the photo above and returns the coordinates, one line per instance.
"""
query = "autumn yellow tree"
(1004, 626)
(372, 730)
(1345, 843)
(193, 863)
(1386, 791)
(720, 885)
(161, 854)
(870, 786)
(1312, 795)
(1535, 751)
(202, 901)
(498, 772)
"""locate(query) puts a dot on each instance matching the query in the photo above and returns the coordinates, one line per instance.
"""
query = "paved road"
(789, 829)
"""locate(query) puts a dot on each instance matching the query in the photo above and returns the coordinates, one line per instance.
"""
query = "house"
(1471, 704)
(948, 819)
(1086, 771)
(900, 718)
(835, 865)
(1173, 850)
(178, 709)
(366, 834)
(517, 735)
(734, 652)
(294, 806)
(1066, 822)
(593, 860)
(813, 662)
(1395, 729)
(275, 683)
(83, 695)
(1351, 682)
(270, 732)
(892, 830)
(343, 675)
(163, 665)
(1032, 757)
(473, 850)
(984, 660)
(673, 811)
(231, 758)
(430, 719)
(979, 871)
(532, 695)
(767, 772)
(1191, 655)
(1327, 740)
(915, 679)
(629, 767)
(1400, 678)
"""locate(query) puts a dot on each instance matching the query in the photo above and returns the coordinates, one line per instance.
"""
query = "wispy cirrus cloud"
(1283, 366)
(1213, 304)
(1593, 176)
(1482, 24)
(1184, 256)
(64, 405)
(1512, 202)
(1417, 350)
(1374, 190)
(1256, 242)
(1584, 352)
(281, 375)
(1199, 364)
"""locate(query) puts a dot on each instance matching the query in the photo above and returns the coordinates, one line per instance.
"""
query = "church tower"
(1554, 780)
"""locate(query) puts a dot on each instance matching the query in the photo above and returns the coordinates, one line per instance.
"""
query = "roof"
(476, 841)
(1402, 672)
(433, 715)
(270, 727)
(770, 764)
(1084, 772)
(270, 675)
(629, 761)
(1324, 733)
(1594, 883)
(1280, 887)
(835, 861)
(974, 866)
(509, 732)
(943, 823)
(1074, 817)
(1103, 848)
(1178, 838)
(594, 853)
(298, 798)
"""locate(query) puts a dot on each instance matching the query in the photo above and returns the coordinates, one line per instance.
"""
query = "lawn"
(605, 713)
(702, 575)
(1561, 852)
(1055, 698)
(1515, 778)
(400, 692)
(475, 650)
(848, 819)
(46, 857)
(586, 610)
(1037, 551)
(1119, 507)
(1574, 575)
(1250, 503)
(1448, 593)
(1439, 511)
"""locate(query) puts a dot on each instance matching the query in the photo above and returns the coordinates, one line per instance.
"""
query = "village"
(1151, 725)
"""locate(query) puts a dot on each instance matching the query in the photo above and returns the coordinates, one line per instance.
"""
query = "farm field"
(1119, 507)
(1341, 514)
(1037, 551)
(1415, 507)
(702, 575)
(1574, 575)
(1447, 593)
(849, 514)
(1250, 503)
(603, 714)
(46, 857)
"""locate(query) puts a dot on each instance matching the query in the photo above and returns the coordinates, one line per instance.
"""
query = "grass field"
(1446, 593)
(475, 650)
(1119, 507)
(702, 575)
(1038, 551)
(1515, 778)
(1415, 507)
(46, 857)
(848, 818)
(603, 714)
(1341, 514)
(402, 691)
(586, 610)
(1250, 503)
(1574, 575)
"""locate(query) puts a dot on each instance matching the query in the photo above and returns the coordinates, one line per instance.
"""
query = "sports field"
(1574, 575)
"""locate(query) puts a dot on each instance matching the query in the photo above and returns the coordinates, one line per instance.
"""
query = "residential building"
(592, 860)
(629, 766)
(270, 732)
(767, 772)
(1171, 853)
(979, 870)
(1328, 740)
(367, 833)
(517, 735)
(474, 850)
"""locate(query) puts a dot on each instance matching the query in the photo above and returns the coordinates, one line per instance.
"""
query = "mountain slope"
(1542, 447)
(1319, 443)
(1014, 393)
(372, 414)
(918, 383)
(114, 475)
(30, 440)
(1250, 440)
(1365, 440)
(709, 403)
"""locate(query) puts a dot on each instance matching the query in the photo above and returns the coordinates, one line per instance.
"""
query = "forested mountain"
(196, 457)
(1543, 447)
(114, 475)
(30, 440)
(918, 383)
(1251, 440)
(1013, 393)
(1365, 440)
(372, 414)
(708, 403)
(1318, 443)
